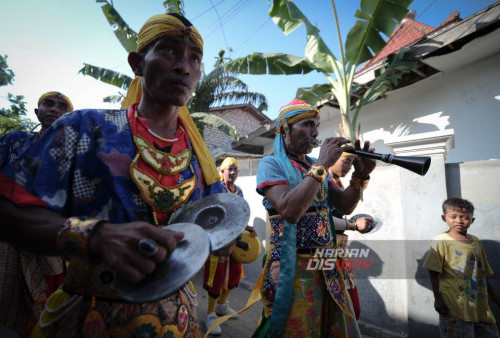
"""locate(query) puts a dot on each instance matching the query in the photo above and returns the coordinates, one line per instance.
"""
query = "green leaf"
(13, 118)
(288, 17)
(285, 16)
(124, 34)
(107, 76)
(270, 63)
(6, 74)
(387, 77)
(376, 17)
(174, 6)
(220, 87)
(315, 94)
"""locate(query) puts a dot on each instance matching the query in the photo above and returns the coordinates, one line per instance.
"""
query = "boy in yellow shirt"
(458, 268)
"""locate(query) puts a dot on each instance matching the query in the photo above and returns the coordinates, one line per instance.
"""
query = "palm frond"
(235, 97)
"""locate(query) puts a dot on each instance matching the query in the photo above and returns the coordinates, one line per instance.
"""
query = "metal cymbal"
(174, 272)
(376, 225)
(224, 216)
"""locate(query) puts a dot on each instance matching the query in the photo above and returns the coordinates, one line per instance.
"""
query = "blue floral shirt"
(80, 167)
(13, 144)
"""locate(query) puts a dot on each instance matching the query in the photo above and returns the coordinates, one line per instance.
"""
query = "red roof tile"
(408, 32)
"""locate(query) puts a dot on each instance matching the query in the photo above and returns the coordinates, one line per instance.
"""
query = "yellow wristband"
(351, 225)
(359, 184)
(318, 172)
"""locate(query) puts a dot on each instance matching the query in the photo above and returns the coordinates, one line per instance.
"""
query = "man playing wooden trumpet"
(298, 194)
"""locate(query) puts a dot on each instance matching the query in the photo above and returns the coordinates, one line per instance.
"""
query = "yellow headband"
(229, 161)
(166, 25)
(293, 112)
(154, 28)
(58, 95)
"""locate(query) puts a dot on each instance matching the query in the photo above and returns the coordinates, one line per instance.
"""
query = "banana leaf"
(126, 35)
(107, 76)
(288, 18)
(315, 94)
(376, 17)
(270, 63)
(174, 6)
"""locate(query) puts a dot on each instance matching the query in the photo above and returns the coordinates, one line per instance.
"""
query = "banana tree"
(374, 17)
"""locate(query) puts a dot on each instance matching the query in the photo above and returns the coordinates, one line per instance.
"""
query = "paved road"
(241, 327)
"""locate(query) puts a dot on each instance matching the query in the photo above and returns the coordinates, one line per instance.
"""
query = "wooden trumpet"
(417, 164)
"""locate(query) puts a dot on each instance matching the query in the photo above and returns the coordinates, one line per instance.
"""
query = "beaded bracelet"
(359, 184)
(72, 238)
(351, 225)
(318, 172)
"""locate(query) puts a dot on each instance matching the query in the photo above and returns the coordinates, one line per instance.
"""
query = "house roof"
(408, 32)
(246, 107)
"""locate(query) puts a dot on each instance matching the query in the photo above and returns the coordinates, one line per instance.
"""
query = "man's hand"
(364, 224)
(331, 149)
(363, 165)
(117, 246)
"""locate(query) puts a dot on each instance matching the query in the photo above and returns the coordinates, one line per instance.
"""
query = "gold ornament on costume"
(161, 162)
(318, 172)
(146, 325)
(161, 198)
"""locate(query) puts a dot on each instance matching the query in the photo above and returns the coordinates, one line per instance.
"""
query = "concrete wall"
(465, 99)
(479, 182)
(394, 289)
(258, 217)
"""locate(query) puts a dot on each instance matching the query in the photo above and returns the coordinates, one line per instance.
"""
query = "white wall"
(466, 100)
(258, 217)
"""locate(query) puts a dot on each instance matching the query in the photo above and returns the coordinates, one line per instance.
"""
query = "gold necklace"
(157, 196)
(161, 162)
(160, 197)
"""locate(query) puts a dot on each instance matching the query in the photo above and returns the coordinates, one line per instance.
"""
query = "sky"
(47, 42)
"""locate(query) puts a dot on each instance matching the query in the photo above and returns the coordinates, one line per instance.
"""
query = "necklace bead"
(162, 138)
